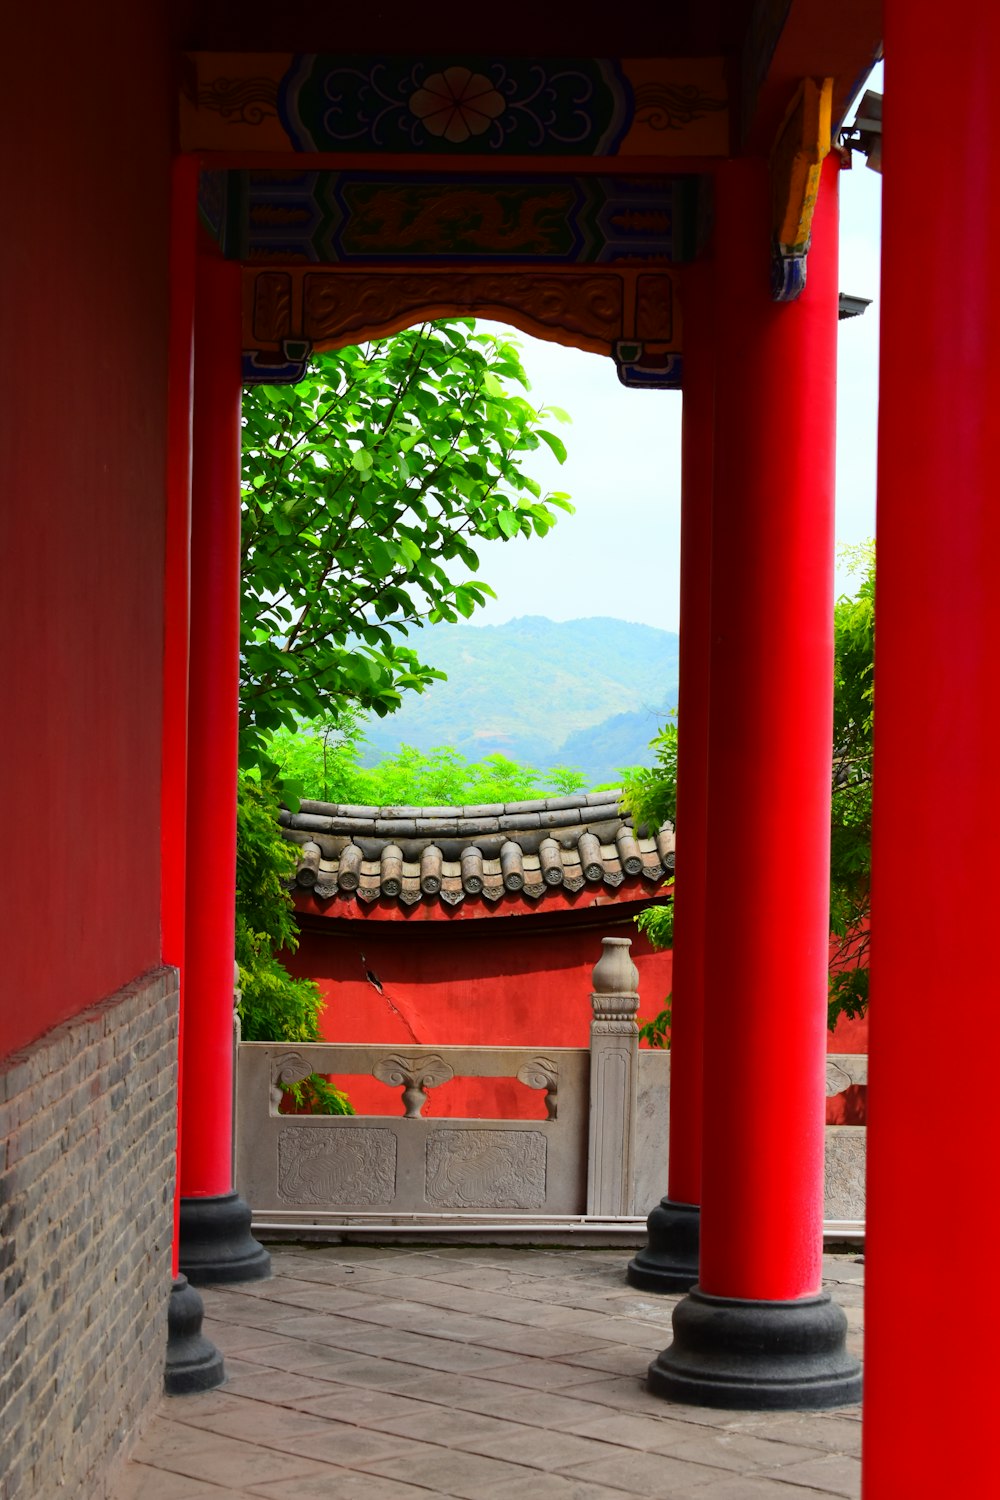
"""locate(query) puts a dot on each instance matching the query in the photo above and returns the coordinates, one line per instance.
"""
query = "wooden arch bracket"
(797, 157)
(627, 313)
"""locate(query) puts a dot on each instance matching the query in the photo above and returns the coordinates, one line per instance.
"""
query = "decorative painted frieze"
(454, 105)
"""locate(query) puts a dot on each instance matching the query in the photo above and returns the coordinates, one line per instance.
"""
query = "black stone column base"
(193, 1361)
(216, 1244)
(758, 1356)
(669, 1261)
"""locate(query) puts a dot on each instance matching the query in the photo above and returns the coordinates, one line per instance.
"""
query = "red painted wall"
(89, 98)
(499, 981)
(424, 977)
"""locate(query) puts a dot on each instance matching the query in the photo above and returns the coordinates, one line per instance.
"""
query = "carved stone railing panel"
(355, 1166)
(323, 1167)
(844, 1069)
(416, 1075)
(543, 1073)
(486, 1169)
(601, 1152)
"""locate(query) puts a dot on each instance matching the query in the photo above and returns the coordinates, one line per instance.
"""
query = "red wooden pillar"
(193, 1363)
(669, 1261)
(216, 1244)
(937, 727)
(758, 1331)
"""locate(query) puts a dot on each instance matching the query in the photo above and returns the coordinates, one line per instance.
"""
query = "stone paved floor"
(490, 1374)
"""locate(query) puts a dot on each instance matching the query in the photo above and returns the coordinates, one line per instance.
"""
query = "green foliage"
(650, 793)
(851, 820)
(323, 761)
(657, 922)
(364, 487)
(656, 1032)
(274, 1006)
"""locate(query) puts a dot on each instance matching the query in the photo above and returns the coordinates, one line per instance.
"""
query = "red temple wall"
(84, 272)
(498, 981)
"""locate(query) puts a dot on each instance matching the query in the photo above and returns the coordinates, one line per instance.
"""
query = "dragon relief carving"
(485, 1169)
(343, 1167)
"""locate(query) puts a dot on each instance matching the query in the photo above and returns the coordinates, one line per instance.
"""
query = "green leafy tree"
(274, 1006)
(650, 794)
(365, 488)
(851, 820)
(324, 762)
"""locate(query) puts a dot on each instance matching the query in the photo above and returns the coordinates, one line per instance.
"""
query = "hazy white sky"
(619, 554)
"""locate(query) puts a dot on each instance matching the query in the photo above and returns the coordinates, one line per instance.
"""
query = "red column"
(213, 727)
(173, 781)
(692, 743)
(937, 730)
(669, 1260)
(757, 1331)
(215, 1240)
(192, 1361)
(769, 756)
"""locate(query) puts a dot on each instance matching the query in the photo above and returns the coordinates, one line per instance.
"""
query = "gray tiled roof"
(453, 853)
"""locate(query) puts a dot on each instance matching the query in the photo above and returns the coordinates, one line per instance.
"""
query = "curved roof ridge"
(369, 812)
(480, 851)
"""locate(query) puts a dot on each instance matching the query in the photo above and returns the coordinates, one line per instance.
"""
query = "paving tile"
(229, 1461)
(833, 1473)
(231, 1338)
(542, 1409)
(364, 1373)
(297, 1356)
(541, 1342)
(543, 1375)
(616, 1359)
(454, 1429)
(448, 1471)
(280, 1386)
(144, 1482)
(833, 1434)
(345, 1443)
(552, 1487)
(618, 1391)
(325, 1298)
(753, 1487)
(646, 1473)
(539, 1449)
(258, 1422)
(342, 1484)
(742, 1451)
(649, 1434)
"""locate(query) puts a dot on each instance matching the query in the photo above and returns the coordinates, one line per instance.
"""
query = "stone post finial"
(615, 973)
(614, 1057)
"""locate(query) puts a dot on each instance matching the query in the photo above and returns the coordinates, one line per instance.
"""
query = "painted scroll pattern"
(486, 1169)
(455, 105)
(341, 1168)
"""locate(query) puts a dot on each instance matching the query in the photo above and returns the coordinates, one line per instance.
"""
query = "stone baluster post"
(614, 1065)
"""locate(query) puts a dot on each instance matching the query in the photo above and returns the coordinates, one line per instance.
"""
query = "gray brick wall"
(87, 1132)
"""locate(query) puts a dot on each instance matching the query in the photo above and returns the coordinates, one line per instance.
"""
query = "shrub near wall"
(87, 1149)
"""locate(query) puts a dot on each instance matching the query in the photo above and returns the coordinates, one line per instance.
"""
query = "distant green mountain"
(589, 693)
